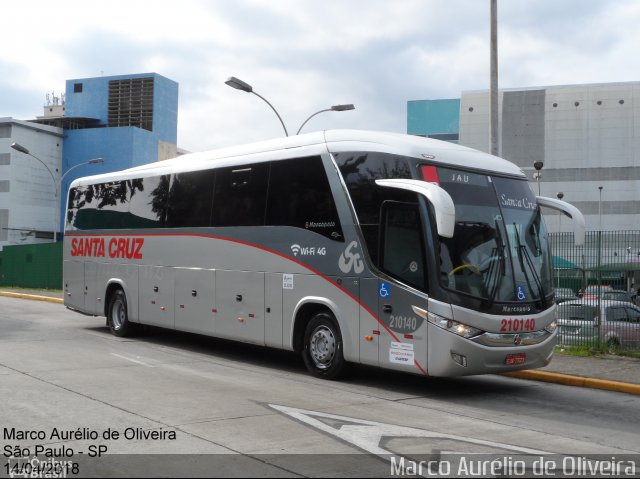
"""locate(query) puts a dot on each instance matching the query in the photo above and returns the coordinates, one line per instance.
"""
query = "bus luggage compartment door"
(195, 297)
(74, 284)
(240, 306)
(156, 288)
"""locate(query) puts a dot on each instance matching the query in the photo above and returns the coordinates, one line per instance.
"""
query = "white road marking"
(132, 360)
(366, 435)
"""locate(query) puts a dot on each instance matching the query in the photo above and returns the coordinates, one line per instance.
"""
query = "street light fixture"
(537, 175)
(333, 108)
(56, 184)
(600, 209)
(560, 195)
(238, 84)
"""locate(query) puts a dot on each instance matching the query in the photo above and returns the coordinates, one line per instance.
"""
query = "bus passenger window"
(300, 196)
(240, 195)
(190, 199)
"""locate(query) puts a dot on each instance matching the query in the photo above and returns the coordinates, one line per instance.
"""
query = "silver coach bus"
(345, 246)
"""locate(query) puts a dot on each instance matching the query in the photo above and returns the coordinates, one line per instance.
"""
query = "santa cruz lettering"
(123, 248)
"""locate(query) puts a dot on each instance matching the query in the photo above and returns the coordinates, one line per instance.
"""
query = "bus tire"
(322, 352)
(118, 315)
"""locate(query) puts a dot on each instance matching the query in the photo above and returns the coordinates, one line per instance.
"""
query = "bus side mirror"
(569, 210)
(441, 201)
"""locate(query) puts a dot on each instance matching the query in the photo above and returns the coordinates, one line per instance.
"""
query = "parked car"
(565, 294)
(615, 323)
(618, 295)
(594, 291)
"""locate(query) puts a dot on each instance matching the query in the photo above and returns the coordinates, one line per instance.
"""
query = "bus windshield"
(499, 251)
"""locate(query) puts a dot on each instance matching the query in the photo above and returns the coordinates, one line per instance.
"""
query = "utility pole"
(494, 78)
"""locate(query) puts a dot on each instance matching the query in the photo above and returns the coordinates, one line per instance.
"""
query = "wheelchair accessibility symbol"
(520, 294)
(384, 290)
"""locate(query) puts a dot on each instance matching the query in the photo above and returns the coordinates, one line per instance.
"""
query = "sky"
(304, 55)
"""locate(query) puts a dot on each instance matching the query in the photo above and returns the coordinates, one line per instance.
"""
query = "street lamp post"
(599, 324)
(56, 184)
(560, 195)
(22, 149)
(238, 84)
(333, 108)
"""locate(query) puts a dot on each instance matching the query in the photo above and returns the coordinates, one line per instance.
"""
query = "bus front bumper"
(453, 355)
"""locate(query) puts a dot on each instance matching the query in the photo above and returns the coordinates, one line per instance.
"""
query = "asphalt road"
(167, 403)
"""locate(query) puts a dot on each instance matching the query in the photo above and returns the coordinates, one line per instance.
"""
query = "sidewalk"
(612, 373)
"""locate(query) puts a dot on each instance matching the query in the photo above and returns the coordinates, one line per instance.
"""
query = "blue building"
(127, 120)
(439, 119)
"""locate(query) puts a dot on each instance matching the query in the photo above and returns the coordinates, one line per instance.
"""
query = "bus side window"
(240, 195)
(190, 199)
(300, 196)
(401, 243)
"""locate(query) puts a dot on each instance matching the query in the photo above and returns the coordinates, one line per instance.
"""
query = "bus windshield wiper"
(523, 255)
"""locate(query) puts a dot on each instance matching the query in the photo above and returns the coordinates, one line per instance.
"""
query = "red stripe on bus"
(277, 253)
(420, 368)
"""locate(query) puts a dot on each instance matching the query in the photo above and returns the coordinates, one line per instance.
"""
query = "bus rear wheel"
(118, 316)
(322, 352)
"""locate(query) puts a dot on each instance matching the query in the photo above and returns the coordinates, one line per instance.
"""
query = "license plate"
(515, 359)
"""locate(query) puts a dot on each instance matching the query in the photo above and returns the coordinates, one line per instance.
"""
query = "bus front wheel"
(118, 316)
(322, 353)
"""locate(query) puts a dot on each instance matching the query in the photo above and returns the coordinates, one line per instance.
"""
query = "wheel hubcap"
(118, 314)
(322, 347)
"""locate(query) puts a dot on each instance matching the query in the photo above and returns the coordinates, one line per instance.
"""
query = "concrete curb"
(34, 297)
(579, 381)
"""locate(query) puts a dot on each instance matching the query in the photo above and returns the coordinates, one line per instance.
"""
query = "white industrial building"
(587, 136)
(28, 213)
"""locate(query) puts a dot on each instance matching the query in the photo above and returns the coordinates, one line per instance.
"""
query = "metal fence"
(597, 288)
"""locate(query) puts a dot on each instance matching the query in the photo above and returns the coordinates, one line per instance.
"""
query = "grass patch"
(592, 352)
(580, 351)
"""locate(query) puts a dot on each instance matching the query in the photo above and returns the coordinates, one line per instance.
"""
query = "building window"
(77, 88)
(131, 103)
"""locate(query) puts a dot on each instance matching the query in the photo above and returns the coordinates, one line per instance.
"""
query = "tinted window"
(300, 196)
(135, 203)
(190, 199)
(402, 246)
(148, 207)
(240, 195)
(634, 315)
(616, 314)
(576, 312)
(360, 170)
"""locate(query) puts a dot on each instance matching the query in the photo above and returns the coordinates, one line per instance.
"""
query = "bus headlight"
(552, 326)
(450, 325)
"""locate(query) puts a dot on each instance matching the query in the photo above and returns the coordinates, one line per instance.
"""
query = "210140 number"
(516, 325)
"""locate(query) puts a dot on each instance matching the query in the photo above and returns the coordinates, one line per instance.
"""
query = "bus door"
(402, 258)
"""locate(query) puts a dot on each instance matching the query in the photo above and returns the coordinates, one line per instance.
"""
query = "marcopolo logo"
(350, 260)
